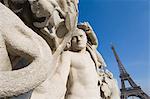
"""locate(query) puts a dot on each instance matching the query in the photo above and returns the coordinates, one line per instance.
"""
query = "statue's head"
(79, 40)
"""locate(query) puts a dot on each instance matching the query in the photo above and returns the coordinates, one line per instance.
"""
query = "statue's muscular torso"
(83, 77)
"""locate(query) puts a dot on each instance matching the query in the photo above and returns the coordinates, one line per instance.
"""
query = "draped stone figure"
(41, 55)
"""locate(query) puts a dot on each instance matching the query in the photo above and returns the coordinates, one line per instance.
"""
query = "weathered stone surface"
(108, 85)
(18, 40)
(50, 54)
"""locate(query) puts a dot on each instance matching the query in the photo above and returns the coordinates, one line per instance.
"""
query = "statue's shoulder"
(66, 54)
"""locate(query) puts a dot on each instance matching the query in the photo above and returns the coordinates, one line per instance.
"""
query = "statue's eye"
(81, 35)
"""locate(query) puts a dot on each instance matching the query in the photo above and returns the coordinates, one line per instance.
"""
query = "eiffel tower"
(134, 90)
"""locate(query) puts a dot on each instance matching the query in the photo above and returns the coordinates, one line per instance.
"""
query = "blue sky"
(125, 23)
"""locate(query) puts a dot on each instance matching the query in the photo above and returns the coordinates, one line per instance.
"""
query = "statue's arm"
(100, 59)
(64, 66)
(22, 42)
(55, 87)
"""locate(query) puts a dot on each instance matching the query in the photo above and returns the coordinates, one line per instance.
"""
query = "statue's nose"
(79, 38)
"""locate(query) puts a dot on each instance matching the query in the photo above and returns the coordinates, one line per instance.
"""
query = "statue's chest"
(82, 61)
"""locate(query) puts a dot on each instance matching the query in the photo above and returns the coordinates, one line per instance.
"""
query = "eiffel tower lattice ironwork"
(134, 90)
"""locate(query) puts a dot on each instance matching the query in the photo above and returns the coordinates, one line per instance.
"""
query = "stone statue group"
(46, 54)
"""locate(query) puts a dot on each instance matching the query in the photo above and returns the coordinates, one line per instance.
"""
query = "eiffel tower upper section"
(123, 72)
(134, 90)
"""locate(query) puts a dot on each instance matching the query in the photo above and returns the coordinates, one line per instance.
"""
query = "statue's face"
(79, 40)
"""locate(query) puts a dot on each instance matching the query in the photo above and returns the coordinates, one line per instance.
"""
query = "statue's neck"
(79, 51)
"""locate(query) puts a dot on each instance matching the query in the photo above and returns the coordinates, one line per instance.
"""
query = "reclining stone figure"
(18, 41)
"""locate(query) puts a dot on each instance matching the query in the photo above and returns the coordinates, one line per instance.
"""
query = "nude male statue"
(79, 66)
